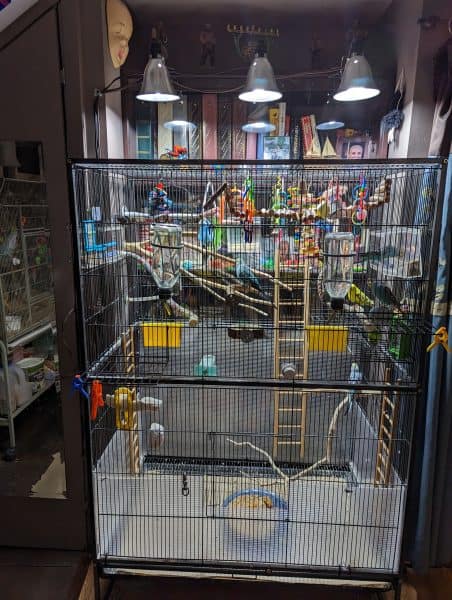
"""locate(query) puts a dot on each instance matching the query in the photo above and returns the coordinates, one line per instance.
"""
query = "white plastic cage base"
(148, 519)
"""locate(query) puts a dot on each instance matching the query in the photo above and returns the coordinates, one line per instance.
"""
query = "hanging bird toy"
(249, 209)
(360, 194)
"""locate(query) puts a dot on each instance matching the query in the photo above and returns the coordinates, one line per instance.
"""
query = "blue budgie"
(355, 376)
(246, 275)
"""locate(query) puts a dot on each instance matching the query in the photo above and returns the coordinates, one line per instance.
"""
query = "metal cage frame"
(378, 395)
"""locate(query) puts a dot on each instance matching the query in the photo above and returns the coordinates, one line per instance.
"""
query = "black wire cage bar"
(257, 332)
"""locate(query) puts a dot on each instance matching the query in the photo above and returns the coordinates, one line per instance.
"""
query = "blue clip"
(78, 386)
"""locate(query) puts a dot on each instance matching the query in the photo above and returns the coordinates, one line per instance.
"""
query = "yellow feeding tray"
(162, 335)
(327, 338)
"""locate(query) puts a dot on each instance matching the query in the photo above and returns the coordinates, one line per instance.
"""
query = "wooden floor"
(435, 585)
(140, 588)
(41, 574)
(52, 575)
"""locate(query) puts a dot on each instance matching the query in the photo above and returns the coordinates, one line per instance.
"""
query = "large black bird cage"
(255, 343)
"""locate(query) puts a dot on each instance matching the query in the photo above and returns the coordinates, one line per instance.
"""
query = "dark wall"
(291, 53)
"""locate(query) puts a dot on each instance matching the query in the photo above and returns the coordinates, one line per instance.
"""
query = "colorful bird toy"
(249, 209)
(360, 194)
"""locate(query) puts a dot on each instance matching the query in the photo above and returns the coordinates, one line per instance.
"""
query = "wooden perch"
(176, 308)
(326, 459)
(137, 247)
(180, 311)
(253, 308)
(205, 284)
(232, 261)
(209, 252)
(211, 201)
(381, 195)
(221, 286)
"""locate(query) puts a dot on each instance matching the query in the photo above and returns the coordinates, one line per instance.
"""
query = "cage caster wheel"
(10, 454)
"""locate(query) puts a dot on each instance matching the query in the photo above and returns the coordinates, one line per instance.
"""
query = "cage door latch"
(185, 489)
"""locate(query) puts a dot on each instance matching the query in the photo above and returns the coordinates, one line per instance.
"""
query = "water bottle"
(338, 266)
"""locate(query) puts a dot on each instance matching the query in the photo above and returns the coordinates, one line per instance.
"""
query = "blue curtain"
(430, 501)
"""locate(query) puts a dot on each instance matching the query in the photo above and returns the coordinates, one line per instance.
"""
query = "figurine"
(177, 153)
(120, 29)
(208, 45)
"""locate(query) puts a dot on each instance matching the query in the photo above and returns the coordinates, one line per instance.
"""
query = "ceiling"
(365, 9)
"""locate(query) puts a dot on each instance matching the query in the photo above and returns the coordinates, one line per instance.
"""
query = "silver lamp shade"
(156, 86)
(8, 156)
(179, 124)
(330, 117)
(357, 82)
(261, 83)
(179, 121)
(258, 121)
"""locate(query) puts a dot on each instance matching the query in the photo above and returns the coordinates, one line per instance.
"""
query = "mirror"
(31, 435)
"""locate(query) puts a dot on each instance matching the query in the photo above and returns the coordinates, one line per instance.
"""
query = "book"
(311, 143)
(281, 129)
(209, 126)
(287, 125)
(225, 128)
(277, 147)
(260, 146)
(194, 113)
(316, 150)
(295, 137)
(273, 117)
(251, 146)
(239, 111)
(306, 134)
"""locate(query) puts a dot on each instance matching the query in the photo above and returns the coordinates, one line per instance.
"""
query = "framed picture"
(21, 160)
(277, 147)
(353, 148)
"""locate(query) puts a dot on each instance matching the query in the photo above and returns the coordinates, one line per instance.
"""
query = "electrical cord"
(97, 95)
(96, 126)
(135, 78)
(192, 89)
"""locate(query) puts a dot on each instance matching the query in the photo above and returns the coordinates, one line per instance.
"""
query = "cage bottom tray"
(147, 518)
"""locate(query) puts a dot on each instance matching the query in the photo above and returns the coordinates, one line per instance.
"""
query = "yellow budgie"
(356, 296)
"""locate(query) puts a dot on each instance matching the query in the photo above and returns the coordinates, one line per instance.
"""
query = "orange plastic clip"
(97, 400)
(440, 338)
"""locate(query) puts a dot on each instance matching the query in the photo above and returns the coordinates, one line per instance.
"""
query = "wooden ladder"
(389, 412)
(289, 420)
(128, 350)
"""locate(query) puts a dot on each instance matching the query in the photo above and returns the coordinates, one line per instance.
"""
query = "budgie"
(384, 295)
(355, 376)
(357, 296)
(371, 329)
(246, 275)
